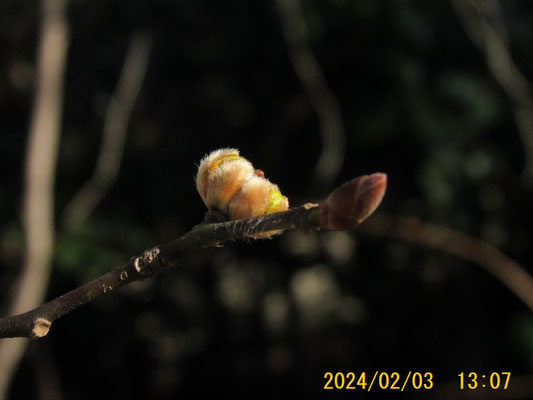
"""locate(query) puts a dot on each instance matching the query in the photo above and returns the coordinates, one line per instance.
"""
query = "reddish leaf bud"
(353, 202)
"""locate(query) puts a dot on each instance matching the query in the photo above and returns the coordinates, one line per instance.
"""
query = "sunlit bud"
(257, 196)
(220, 175)
(229, 183)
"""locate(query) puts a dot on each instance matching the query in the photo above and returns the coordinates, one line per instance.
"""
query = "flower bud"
(229, 183)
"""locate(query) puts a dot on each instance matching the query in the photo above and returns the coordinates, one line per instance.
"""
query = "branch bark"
(345, 208)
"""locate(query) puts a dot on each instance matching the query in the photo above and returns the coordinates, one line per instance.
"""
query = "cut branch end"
(40, 328)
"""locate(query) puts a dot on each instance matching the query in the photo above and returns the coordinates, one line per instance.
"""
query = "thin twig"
(114, 132)
(346, 207)
(324, 102)
(412, 230)
(40, 168)
(484, 24)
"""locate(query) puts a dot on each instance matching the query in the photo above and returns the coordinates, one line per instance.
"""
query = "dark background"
(260, 319)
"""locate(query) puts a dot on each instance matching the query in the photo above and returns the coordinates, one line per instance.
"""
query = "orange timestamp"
(378, 381)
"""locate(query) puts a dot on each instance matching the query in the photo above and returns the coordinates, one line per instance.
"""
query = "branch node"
(41, 326)
(142, 263)
(123, 275)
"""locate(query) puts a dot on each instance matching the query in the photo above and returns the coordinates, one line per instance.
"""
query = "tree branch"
(345, 208)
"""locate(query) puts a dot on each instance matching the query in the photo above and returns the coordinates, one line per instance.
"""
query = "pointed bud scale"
(229, 183)
(353, 202)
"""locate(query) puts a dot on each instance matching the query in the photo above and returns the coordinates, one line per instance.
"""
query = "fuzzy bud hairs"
(229, 184)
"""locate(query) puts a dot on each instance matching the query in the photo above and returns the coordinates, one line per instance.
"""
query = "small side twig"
(346, 207)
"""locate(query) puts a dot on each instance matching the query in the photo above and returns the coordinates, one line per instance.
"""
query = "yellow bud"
(220, 175)
(229, 183)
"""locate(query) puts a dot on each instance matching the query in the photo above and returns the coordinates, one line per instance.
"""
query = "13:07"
(494, 380)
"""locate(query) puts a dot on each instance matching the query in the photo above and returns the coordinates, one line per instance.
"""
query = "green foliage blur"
(263, 319)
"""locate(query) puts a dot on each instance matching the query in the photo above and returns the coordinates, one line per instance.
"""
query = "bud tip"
(351, 203)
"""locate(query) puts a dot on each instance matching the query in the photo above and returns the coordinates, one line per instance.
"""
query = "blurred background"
(435, 94)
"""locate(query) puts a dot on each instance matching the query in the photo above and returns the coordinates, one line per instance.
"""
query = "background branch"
(484, 24)
(41, 157)
(345, 208)
(114, 132)
(412, 230)
(314, 83)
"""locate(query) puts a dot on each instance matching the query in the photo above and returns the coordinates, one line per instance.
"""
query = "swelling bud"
(229, 183)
